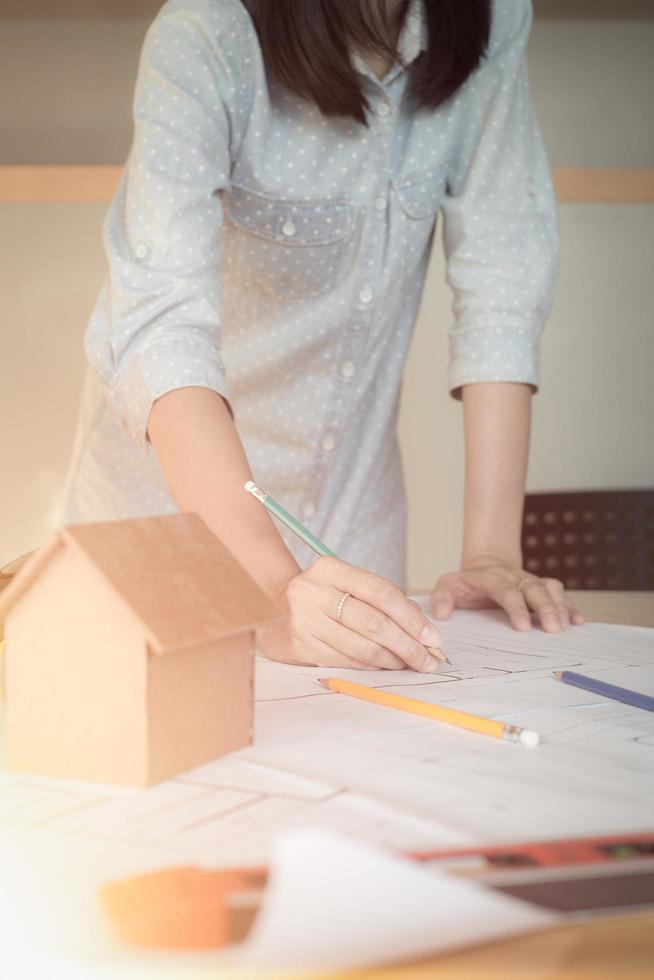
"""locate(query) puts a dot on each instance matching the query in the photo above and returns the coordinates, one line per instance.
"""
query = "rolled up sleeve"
(156, 326)
(500, 225)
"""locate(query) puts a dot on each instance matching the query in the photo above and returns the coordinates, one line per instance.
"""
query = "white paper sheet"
(335, 903)
(235, 772)
(150, 816)
(592, 773)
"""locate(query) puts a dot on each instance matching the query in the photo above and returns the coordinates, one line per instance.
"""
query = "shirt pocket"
(288, 247)
(420, 194)
(418, 198)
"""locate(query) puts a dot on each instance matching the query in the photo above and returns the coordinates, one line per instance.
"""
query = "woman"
(267, 248)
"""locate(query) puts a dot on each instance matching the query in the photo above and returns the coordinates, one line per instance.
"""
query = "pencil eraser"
(530, 739)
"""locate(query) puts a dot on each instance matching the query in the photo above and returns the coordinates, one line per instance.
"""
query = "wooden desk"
(627, 608)
(608, 949)
(605, 949)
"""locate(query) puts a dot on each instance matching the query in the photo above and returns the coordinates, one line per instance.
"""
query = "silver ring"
(339, 611)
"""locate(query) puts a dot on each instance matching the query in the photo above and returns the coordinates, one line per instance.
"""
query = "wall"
(66, 98)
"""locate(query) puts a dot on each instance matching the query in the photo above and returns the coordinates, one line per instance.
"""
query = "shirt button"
(347, 369)
(308, 509)
(381, 202)
(288, 228)
(328, 443)
(383, 109)
(142, 250)
(365, 294)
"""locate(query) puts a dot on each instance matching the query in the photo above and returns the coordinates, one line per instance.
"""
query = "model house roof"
(178, 578)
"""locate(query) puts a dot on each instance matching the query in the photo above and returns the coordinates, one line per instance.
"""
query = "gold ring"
(527, 578)
(339, 611)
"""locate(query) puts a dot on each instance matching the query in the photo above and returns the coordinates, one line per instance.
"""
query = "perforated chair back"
(591, 539)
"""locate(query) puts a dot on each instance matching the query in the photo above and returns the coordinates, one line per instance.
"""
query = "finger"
(384, 595)
(300, 648)
(442, 603)
(556, 591)
(576, 618)
(375, 626)
(539, 599)
(325, 655)
(511, 599)
(360, 650)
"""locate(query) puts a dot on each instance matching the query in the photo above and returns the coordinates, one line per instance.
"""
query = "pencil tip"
(438, 653)
(324, 681)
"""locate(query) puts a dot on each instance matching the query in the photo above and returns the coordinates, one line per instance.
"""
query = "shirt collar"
(413, 36)
(412, 40)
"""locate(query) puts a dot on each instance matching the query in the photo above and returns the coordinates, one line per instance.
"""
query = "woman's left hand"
(490, 581)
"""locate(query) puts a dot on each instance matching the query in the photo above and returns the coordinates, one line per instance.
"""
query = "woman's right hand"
(379, 628)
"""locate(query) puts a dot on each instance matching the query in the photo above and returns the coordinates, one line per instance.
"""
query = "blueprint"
(592, 773)
(323, 759)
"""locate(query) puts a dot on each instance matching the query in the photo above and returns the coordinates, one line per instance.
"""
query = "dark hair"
(305, 45)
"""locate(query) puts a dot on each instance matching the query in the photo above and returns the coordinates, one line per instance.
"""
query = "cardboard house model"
(129, 651)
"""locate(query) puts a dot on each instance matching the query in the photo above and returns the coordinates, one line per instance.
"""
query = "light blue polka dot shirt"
(278, 257)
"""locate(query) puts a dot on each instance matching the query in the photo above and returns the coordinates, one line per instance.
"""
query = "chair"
(591, 539)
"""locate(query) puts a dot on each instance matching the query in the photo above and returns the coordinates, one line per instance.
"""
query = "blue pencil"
(591, 684)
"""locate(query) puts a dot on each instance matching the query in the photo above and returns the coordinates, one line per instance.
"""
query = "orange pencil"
(462, 719)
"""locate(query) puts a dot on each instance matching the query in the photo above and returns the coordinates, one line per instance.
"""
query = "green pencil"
(302, 532)
(289, 520)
